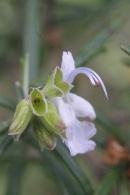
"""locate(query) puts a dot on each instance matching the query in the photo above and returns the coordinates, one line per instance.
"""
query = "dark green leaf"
(5, 143)
(15, 176)
(31, 39)
(74, 168)
(126, 61)
(96, 45)
(126, 49)
(7, 103)
(123, 188)
(109, 181)
(69, 185)
(4, 126)
(109, 126)
(66, 168)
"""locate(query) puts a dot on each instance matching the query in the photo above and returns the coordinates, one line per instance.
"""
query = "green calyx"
(55, 86)
(45, 119)
(45, 138)
(38, 102)
(52, 121)
(45, 127)
(21, 118)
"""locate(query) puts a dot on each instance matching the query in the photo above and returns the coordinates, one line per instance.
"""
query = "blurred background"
(93, 30)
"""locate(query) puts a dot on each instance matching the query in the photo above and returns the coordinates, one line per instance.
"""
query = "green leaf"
(123, 187)
(109, 181)
(74, 168)
(15, 177)
(68, 173)
(4, 126)
(68, 183)
(38, 102)
(96, 44)
(31, 41)
(7, 103)
(21, 118)
(5, 143)
(126, 61)
(109, 126)
(126, 49)
(46, 139)
(55, 86)
(52, 121)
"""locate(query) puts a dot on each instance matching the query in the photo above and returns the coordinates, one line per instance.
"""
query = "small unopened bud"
(52, 121)
(44, 137)
(21, 118)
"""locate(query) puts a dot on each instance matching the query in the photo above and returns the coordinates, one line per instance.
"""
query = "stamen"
(96, 80)
(98, 84)
(92, 79)
(99, 80)
(92, 75)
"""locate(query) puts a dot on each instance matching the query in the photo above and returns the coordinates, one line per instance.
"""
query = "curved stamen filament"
(92, 75)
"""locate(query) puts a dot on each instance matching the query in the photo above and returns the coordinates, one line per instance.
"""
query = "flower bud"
(21, 118)
(52, 121)
(55, 86)
(44, 137)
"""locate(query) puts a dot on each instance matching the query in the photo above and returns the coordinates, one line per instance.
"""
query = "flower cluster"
(54, 111)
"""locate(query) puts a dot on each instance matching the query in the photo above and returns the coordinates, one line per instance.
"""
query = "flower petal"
(78, 133)
(81, 107)
(65, 111)
(78, 142)
(90, 129)
(67, 65)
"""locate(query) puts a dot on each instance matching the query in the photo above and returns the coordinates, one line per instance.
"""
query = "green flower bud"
(21, 118)
(38, 102)
(44, 137)
(55, 86)
(52, 121)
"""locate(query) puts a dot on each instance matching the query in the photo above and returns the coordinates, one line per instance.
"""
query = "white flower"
(74, 109)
